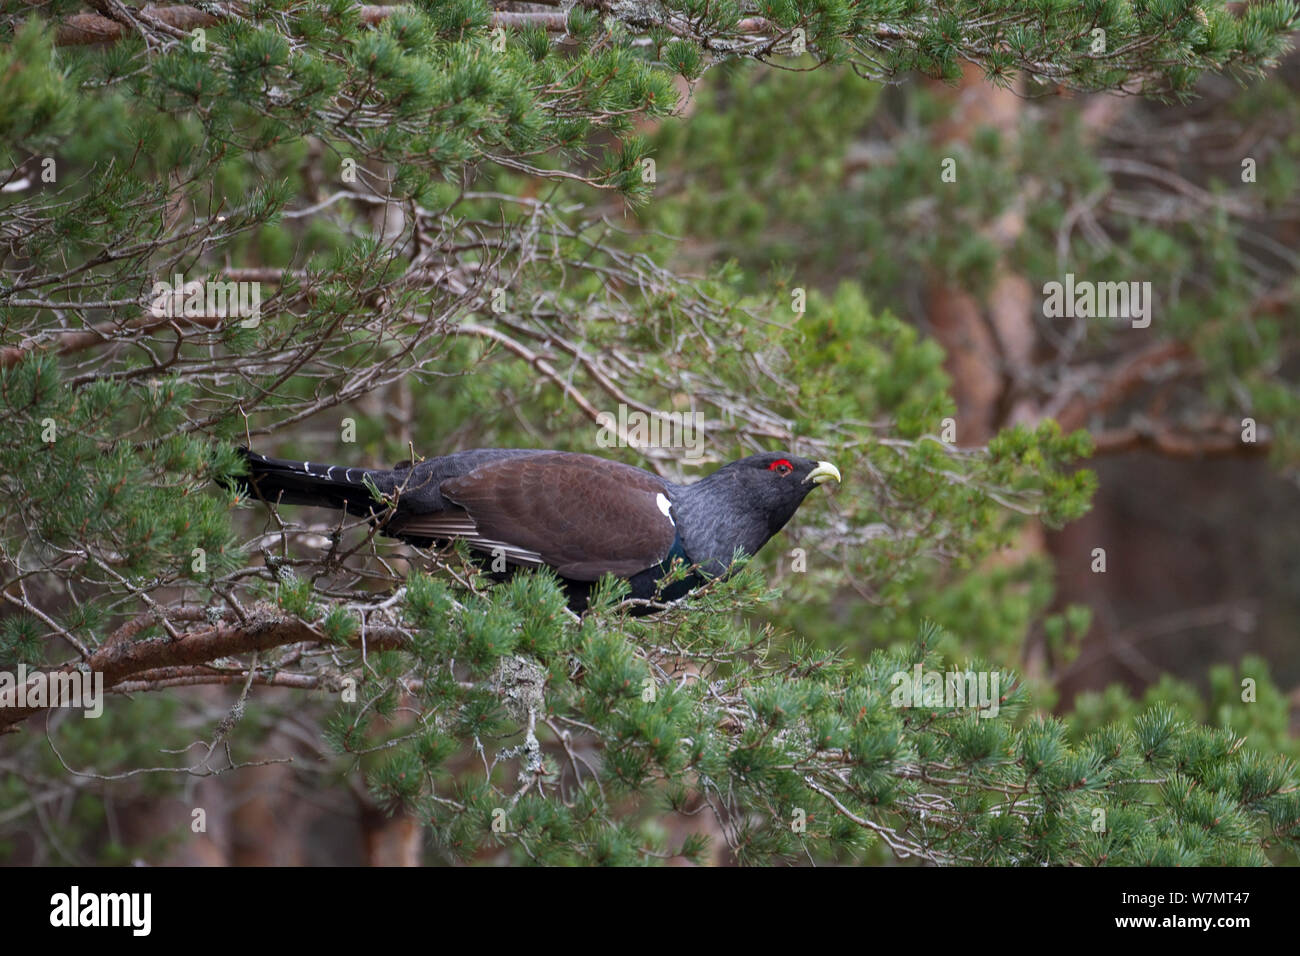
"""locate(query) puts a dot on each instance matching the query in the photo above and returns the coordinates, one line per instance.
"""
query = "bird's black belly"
(644, 584)
(645, 587)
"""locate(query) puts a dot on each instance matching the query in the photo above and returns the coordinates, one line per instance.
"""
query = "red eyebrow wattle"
(778, 463)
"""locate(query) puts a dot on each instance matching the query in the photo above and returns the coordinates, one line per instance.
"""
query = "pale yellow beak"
(824, 472)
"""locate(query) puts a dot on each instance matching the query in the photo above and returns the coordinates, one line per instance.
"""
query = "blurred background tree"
(476, 225)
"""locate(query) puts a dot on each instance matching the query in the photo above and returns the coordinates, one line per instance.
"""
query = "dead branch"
(121, 659)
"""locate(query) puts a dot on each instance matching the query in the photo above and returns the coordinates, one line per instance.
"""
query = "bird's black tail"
(311, 483)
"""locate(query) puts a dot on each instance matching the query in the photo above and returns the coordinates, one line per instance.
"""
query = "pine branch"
(121, 659)
(87, 29)
(1052, 45)
(1173, 442)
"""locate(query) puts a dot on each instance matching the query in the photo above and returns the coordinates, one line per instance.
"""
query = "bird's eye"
(781, 467)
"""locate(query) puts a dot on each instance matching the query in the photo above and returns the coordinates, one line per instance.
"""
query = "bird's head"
(743, 504)
(775, 483)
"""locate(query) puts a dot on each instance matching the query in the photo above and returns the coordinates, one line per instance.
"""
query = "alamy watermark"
(980, 690)
(133, 911)
(195, 299)
(1084, 299)
(637, 429)
(73, 689)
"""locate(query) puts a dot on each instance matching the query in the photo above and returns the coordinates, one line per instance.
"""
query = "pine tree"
(365, 233)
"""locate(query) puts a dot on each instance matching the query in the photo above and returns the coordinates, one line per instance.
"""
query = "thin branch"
(123, 660)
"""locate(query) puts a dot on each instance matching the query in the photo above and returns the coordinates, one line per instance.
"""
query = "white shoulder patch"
(666, 507)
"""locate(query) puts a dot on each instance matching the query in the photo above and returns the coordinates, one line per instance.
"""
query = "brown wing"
(584, 516)
(455, 524)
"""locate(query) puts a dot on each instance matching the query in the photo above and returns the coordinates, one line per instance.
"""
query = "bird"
(581, 515)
